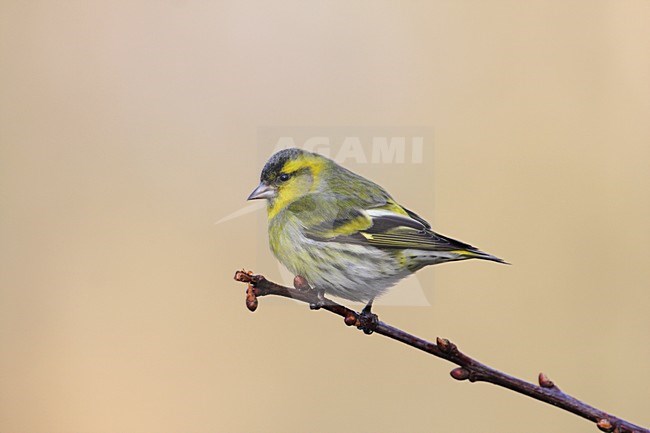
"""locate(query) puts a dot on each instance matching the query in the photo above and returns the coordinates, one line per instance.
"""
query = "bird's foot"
(320, 302)
(300, 283)
(368, 320)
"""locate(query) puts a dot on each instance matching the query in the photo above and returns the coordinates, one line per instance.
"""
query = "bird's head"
(287, 176)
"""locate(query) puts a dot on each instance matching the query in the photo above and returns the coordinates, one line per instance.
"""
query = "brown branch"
(469, 368)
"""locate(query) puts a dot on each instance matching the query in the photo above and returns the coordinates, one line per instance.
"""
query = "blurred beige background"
(128, 128)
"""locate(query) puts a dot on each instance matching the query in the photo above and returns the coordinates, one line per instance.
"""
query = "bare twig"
(469, 368)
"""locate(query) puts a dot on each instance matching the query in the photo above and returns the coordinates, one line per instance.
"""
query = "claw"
(320, 294)
(367, 319)
(301, 283)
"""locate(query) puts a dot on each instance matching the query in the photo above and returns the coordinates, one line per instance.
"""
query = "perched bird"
(343, 233)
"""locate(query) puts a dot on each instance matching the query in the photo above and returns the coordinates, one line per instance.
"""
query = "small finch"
(345, 234)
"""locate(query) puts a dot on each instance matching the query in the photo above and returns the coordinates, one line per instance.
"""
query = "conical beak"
(262, 191)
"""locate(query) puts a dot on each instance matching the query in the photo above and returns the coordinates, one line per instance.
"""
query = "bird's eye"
(284, 177)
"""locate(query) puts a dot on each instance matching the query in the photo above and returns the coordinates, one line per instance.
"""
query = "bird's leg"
(367, 319)
(300, 283)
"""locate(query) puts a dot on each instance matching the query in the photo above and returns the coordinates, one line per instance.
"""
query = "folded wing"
(392, 227)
